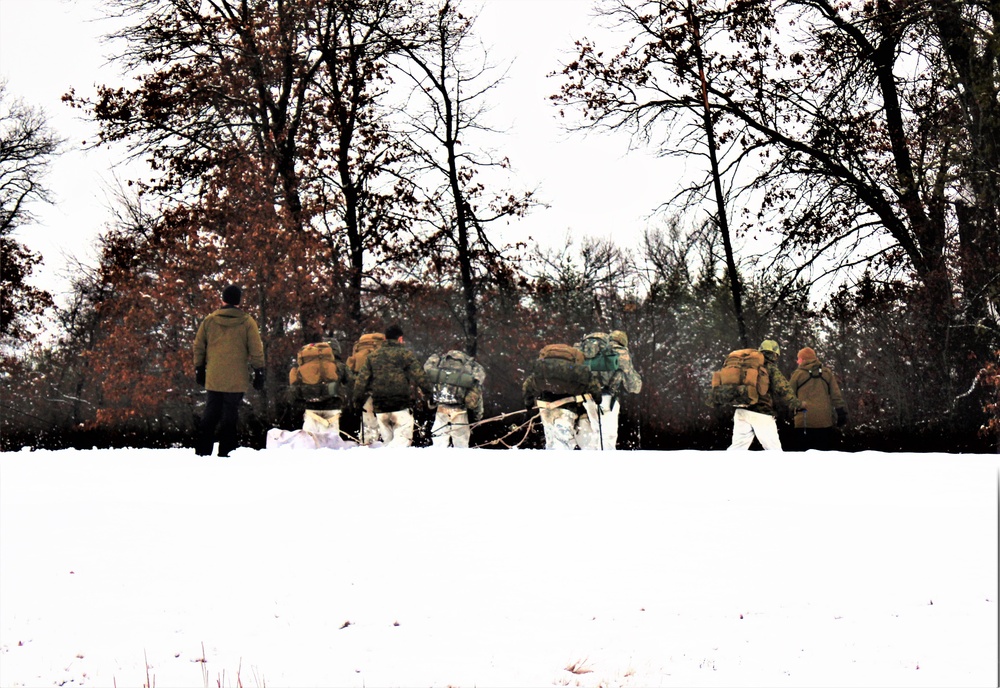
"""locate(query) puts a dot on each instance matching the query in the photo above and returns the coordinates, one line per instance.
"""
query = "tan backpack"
(315, 364)
(314, 376)
(742, 381)
(563, 352)
(560, 370)
(364, 346)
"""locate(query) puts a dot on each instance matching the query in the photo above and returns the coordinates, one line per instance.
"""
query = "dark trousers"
(222, 409)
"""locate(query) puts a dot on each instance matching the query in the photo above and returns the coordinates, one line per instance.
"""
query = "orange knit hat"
(807, 354)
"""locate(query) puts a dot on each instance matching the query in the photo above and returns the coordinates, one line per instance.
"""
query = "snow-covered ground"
(423, 567)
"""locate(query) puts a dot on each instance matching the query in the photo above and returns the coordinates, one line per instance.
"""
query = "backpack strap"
(815, 375)
(579, 399)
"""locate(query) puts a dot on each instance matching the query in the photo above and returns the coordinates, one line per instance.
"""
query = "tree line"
(324, 154)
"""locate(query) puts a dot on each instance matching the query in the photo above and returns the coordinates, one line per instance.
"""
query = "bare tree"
(586, 284)
(370, 194)
(27, 147)
(857, 135)
(449, 93)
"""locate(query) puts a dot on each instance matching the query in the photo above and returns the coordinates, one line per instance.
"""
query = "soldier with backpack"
(558, 385)
(817, 387)
(608, 358)
(388, 376)
(458, 393)
(749, 383)
(323, 383)
(367, 343)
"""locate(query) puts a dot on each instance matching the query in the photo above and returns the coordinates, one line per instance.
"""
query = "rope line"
(530, 423)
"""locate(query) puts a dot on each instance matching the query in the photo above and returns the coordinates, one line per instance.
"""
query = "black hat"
(231, 295)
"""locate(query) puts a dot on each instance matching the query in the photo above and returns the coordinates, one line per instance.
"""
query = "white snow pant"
(451, 423)
(747, 423)
(597, 430)
(559, 425)
(396, 428)
(369, 424)
(321, 422)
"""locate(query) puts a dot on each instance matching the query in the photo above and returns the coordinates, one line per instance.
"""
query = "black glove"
(529, 406)
(841, 417)
(199, 375)
(258, 379)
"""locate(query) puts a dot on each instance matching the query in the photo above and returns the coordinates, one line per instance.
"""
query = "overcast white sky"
(593, 185)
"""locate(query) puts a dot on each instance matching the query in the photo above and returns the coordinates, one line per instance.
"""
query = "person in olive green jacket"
(389, 375)
(226, 346)
(816, 385)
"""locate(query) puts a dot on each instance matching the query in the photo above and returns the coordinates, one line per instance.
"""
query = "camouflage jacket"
(389, 375)
(779, 391)
(816, 385)
(474, 403)
(226, 343)
(625, 379)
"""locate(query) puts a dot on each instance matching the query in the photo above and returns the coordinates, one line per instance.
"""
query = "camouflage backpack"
(600, 355)
(742, 381)
(314, 376)
(364, 346)
(453, 374)
(560, 369)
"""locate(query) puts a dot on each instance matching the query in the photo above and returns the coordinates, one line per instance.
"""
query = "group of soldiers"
(575, 390)
(381, 381)
(577, 403)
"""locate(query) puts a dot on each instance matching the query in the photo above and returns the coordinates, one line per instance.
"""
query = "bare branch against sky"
(591, 186)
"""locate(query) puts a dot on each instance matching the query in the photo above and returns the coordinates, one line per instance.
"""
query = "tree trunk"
(735, 286)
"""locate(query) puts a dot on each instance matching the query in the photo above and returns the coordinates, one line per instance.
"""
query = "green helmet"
(770, 345)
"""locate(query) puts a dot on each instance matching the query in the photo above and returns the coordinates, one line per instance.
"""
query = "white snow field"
(423, 567)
